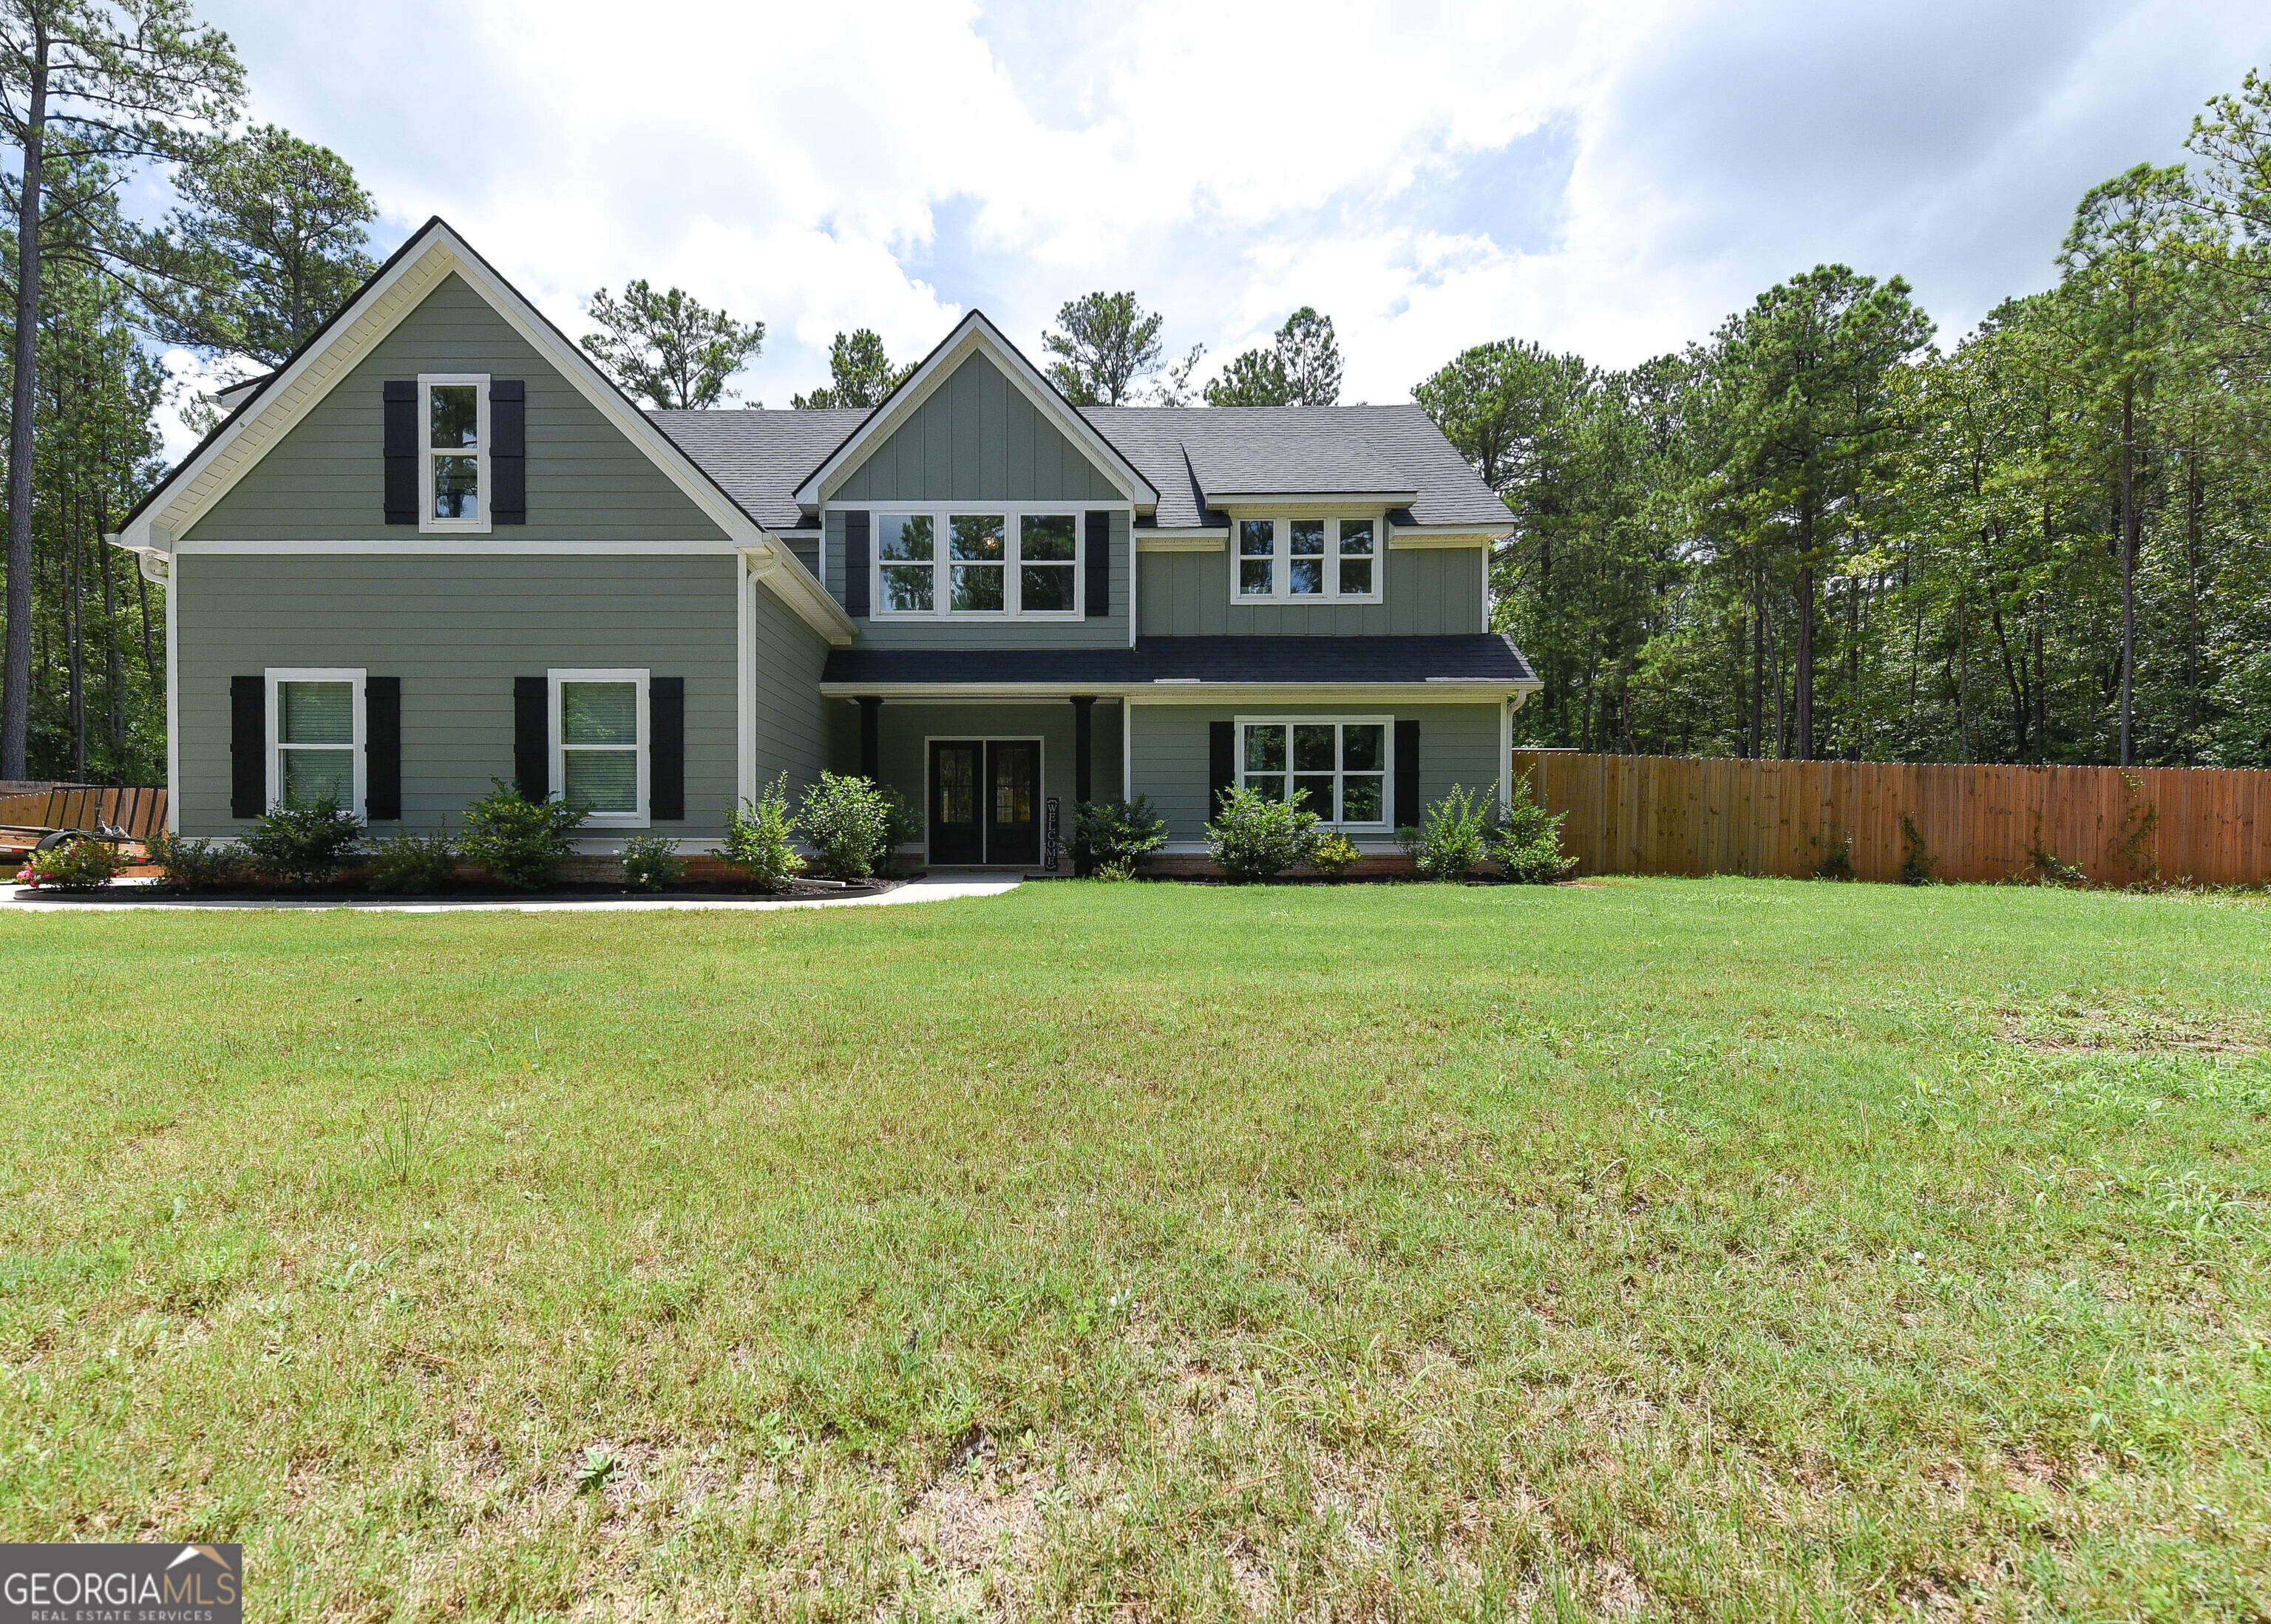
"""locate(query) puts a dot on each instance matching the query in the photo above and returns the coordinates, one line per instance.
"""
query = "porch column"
(871, 737)
(1084, 747)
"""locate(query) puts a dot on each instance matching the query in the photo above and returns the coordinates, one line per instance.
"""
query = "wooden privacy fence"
(2116, 826)
(139, 812)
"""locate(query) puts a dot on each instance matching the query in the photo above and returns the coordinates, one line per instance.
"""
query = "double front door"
(984, 800)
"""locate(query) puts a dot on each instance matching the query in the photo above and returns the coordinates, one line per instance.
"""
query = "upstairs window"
(1306, 561)
(1019, 563)
(453, 413)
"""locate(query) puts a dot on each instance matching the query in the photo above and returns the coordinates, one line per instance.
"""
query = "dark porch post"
(871, 737)
(1084, 747)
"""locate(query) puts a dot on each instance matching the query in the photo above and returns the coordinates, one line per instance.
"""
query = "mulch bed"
(695, 890)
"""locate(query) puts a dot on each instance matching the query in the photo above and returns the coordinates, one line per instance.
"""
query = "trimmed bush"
(1528, 844)
(1453, 837)
(82, 865)
(651, 863)
(1115, 832)
(761, 838)
(847, 822)
(303, 843)
(408, 864)
(192, 865)
(1253, 837)
(1335, 856)
(905, 827)
(520, 843)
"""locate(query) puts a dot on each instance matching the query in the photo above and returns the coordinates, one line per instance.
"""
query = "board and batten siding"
(1099, 630)
(323, 480)
(977, 438)
(1426, 592)
(456, 631)
(792, 732)
(1168, 753)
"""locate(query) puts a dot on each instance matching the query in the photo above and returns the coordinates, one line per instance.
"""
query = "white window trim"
(356, 679)
(642, 817)
(428, 523)
(1281, 559)
(1013, 547)
(1385, 822)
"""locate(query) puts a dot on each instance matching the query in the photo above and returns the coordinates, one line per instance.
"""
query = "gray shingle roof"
(1477, 656)
(760, 458)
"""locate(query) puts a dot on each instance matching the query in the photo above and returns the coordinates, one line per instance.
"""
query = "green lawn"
(1694, 1249)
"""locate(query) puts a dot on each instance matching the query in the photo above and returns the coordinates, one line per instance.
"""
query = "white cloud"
(1609, 178)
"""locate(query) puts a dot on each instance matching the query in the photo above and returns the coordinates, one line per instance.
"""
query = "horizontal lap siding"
(1458, 745)
(792, 732)
(587, 481)
(457, 631)
(1426, 592)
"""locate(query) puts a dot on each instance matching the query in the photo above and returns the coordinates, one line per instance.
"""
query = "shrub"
(1836, 862)
(1452, 839)
(1115, 831)
(904, 826)
(408, 863)
(651, 864)
(1528, 843)
(1253, 837)
(192, 865)
(761, 838)
(848, 823)
(303, 843)
(1335, 856)
(81, 865)
(521, 843)
(1117, 869)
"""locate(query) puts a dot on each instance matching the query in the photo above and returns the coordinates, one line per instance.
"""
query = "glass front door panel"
(1013, 832)
(955, 833)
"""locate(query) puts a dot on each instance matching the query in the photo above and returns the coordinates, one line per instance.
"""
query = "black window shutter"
(401, 451)
(1099, 564)
(855, 564)
(666, 749)
(1407, 774)
(248, 746)
(1222, 763)
(382, 748)
(509, 451)
(531, 737)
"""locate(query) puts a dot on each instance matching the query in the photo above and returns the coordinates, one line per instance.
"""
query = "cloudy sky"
(1608, 178)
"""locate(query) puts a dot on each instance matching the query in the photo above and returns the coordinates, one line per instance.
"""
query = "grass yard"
(1661, 1248)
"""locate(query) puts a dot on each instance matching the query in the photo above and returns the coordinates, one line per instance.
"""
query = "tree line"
(1816, 534)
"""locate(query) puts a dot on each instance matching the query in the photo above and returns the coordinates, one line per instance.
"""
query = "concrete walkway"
(938, 886)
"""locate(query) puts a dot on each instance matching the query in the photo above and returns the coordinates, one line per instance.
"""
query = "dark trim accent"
(871, 737)
(666, 749)
(1084, 747)
(248, 746)
(1099, 566)
(509, 451)
(1407, 773)
(1484, 659)
(381, 749)
(855, 563)
(1222, 763)
(400, 407)
(531, 737)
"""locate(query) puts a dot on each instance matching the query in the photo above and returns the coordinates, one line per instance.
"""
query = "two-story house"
(439, 546)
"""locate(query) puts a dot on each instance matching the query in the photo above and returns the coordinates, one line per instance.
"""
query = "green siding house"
(439, 548)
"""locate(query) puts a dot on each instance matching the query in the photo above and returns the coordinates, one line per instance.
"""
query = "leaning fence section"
(140, 812)
(1884, 820)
